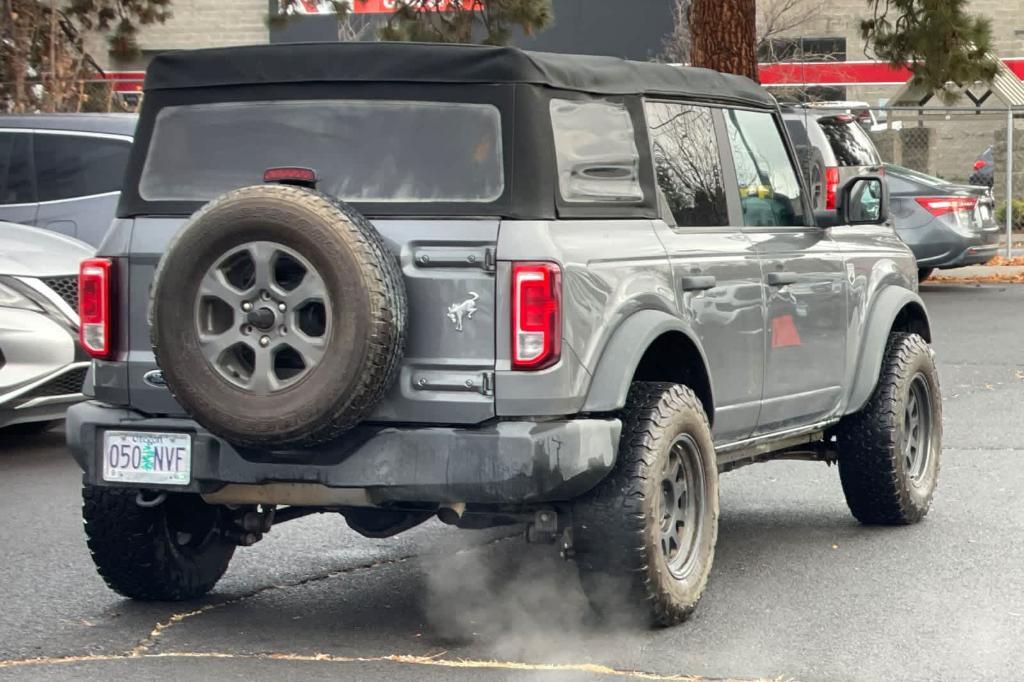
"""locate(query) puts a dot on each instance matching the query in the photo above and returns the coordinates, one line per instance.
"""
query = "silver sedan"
(42, 367)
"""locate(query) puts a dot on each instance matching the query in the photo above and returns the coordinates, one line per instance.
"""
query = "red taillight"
(938, 206)
(979, 164)
(831, 187)
(536, 315)
(95, 284)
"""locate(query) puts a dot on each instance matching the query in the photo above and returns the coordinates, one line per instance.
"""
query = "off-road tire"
(924, 273)
(616, 526)
(134, 550)
(369, 317)
(872, 466)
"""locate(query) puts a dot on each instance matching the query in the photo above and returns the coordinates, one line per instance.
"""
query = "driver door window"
(769, 188)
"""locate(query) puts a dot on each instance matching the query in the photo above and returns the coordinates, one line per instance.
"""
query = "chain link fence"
(946, 144)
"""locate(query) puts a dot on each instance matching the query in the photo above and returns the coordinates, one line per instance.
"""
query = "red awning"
(846, 73)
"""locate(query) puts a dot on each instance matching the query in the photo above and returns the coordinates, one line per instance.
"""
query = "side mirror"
(864, 200)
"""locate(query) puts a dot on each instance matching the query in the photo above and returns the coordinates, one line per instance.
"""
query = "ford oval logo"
(155, 378)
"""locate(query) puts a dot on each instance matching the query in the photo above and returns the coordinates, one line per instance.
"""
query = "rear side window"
(16, 185)
(770, 192)
(797, 133)
(851, 144)
(69, 166)
(595, 145)
(373, 151)
(687, 164)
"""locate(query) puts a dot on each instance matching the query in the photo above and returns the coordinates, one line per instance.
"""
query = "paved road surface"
(799, 590)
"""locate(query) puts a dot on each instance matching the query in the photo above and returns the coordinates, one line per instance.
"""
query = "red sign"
(378, 6)
(846, 73)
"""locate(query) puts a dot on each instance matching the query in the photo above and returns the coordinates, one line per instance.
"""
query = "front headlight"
(12, 298)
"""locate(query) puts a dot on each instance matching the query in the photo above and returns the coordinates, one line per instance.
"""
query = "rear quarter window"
(16, 181)
(595, 147)
(797, 132)
(69, 166)
(850, 143)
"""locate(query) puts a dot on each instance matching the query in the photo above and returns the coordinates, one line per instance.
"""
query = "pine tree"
(724, 36)
(43, 62)
(119, 18)
(939, 41)
(465, 21)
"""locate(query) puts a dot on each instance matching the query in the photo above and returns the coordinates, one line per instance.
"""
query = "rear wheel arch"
(894, 309)
(650, 346)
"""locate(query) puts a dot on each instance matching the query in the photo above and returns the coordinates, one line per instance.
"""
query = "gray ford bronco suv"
(399, 281)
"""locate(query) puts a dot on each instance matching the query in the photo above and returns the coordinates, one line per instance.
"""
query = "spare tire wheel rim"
(263, 317)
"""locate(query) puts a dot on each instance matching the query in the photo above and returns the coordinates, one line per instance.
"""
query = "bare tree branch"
(779, 18)
(676, 46)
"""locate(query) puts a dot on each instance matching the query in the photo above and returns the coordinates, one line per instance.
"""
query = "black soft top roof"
(431, 63)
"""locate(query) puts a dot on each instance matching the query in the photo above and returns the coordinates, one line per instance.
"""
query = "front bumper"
(42, 369)
(505, 463)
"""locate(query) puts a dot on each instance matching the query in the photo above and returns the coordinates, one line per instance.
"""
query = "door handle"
(781, 279)
(697, 282)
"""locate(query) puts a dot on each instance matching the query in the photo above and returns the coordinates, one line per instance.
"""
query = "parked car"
(42, 366)
(983, 170)
(946, 225)
(872, 120)
(613, 289)
(63, 172)
(832, 149)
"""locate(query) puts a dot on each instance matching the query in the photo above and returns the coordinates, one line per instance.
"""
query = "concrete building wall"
(842, 18)
(636, 28)
(195, 24)
(946, 147)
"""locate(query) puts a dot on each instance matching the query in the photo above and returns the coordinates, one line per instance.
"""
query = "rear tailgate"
(447, 374)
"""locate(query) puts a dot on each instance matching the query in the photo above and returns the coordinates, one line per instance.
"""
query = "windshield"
(363, 150)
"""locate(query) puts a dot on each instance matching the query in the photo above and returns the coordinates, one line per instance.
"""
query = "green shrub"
(1018, 214)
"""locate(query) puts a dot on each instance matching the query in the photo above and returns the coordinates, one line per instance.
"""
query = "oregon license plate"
(146, 457)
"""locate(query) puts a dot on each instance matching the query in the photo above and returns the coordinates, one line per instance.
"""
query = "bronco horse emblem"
(457, 312)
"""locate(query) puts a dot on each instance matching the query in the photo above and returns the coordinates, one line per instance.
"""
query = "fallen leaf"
(998, 278)
(999, 260)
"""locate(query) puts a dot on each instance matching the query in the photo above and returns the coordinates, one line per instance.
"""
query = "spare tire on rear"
(278, 317)
(812, 165)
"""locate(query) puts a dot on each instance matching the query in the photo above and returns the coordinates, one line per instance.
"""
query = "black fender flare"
(885, 308)
(622, 354)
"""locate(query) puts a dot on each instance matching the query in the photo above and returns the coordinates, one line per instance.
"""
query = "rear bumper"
(510, 462)
(972, 255)
(946, 249)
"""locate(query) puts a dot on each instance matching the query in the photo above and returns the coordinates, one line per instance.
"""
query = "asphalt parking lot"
(799, 590)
